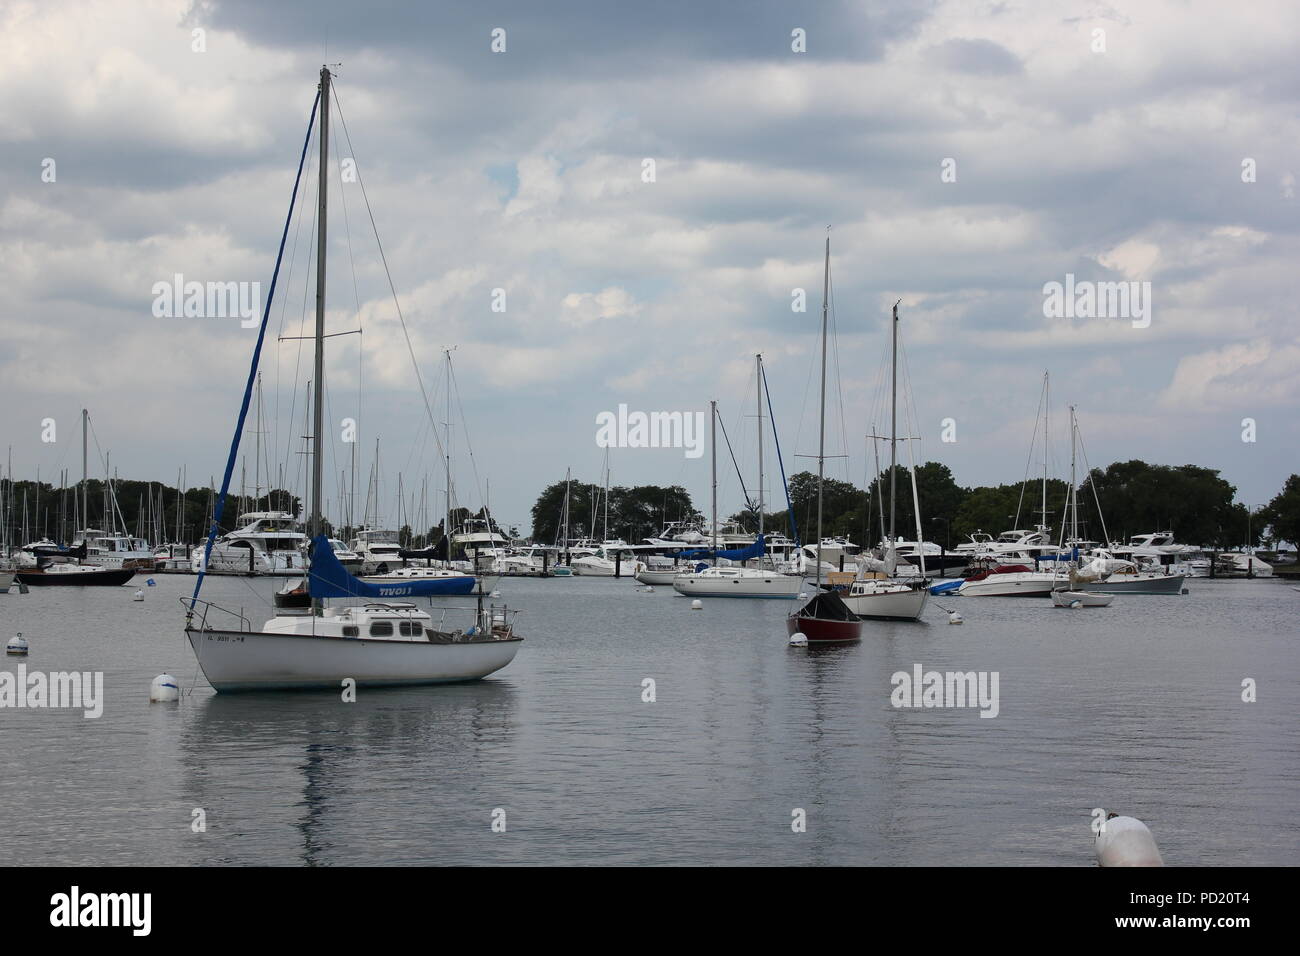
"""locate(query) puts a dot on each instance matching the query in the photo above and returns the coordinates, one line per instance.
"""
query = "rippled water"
(1136, 707)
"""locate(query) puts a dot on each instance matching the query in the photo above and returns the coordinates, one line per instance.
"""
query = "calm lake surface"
(1136, 708)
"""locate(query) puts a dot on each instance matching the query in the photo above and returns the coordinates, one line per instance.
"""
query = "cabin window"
(351, 630)
(381, 629)
(408, 629)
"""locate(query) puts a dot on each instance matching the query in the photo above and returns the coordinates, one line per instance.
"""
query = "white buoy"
(139, 596)
(803, 595)
(954, 617)
(797, 639)
(696, 604)
(1126, 841)
(164, 688)
(17, 645)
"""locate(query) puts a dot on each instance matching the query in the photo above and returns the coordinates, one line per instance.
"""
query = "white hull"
(250, 660)
(659, 577)
(770, 585)
(1085, 598)
(902, 605)
(1014, 584)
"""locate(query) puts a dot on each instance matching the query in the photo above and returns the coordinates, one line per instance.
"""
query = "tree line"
(1114, 503)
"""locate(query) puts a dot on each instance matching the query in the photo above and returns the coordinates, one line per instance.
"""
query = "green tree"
(1282, 514)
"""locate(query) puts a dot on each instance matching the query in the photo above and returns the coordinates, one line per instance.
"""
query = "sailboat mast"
(447, 458)
(318, 405)
(821, 421)
(893, 420)
(1047, 411)
(713, 438)
(85, 473)
(758, 388)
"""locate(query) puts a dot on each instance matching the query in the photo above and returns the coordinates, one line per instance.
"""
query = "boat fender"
(1126, 841)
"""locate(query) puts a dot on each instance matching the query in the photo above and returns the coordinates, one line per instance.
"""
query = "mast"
(758, 387)
(821, 426)
(85, 474)
(1074, 497)
(318, 408)
(713, 438)
(1047, 411)
(447, 458)
(893, 422)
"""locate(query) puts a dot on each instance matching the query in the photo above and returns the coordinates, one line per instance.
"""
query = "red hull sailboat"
(825, 618)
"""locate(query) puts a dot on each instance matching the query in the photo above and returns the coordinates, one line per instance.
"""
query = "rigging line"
(464, 425)
(789, 506)
(839, 379)
(1084, 452)
(220, 505)
(302, 322)
(428, 409)
(1032, 444)
(284, 311)
(748, 502)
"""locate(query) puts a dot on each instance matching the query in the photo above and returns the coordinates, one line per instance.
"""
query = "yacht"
(1011, 580)
(116, 551)
(603, 563)
(378, 550)
(267, 542)
(479, 541)
(736, 582)
(1241, 564)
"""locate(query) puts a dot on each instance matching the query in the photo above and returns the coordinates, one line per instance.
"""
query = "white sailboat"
(739, 580)
(871, 595)
(378, 642)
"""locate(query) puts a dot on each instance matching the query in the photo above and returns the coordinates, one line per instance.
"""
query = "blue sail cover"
(755, 550)
(329, 579)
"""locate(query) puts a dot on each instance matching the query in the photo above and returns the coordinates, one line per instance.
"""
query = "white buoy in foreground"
(1126, 841)
(954, 617)
(164, 688)
(797, 639)
(696, 604)
(139, 596)
(17, 644)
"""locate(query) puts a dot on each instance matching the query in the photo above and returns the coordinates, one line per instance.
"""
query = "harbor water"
(1136, 708)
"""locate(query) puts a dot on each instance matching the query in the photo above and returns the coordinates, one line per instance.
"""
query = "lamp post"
(947, 533)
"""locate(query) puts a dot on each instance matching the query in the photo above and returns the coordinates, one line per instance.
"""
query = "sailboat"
(886, 597)
(825, 618)
(738, 580)
(379, 642)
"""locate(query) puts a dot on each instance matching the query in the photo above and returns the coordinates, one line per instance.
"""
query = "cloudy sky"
(965, 154)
